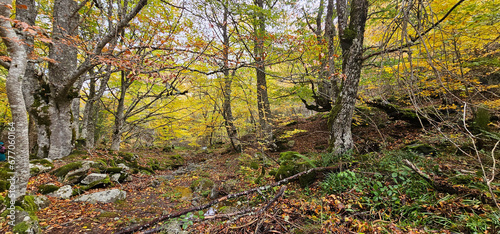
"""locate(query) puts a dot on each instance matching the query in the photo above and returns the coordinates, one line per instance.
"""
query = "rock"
(47, 188)
(174, 227)
(63, 192)
(73, 172)
(123, 166)
(115, 177)
(166, 177)
(103, 197)
(93, 178)
(201, 185)
(40, 166)
(422, 149)
(42, 201)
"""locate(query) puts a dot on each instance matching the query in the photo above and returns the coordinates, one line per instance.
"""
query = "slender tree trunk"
(226, 90)
(263, 106)
(18, 144)
(119, 115)
(351, 38)
(31, 86)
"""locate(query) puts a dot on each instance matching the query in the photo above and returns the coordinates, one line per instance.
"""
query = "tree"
(259, 55)
(55, 91)
(18, 154)
(351, 24)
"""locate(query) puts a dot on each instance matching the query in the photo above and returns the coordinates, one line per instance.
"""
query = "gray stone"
(41, 168)
(174, 227)
(63, 192)
(75, 176)
(103, 197)
(123, 166)
(115, 177)
(93, 178)
(42, 201)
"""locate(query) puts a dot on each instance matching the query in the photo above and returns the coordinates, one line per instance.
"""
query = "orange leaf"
(24, 7)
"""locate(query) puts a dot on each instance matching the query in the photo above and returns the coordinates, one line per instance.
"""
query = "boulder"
(74, 172)
(93, 178)
(63, 192)
(120, 177)
(103, 197)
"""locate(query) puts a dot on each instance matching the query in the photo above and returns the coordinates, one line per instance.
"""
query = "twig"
(287, 180)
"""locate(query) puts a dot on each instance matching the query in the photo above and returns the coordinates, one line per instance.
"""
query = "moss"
(349, 34)
(174, 161)
(127, 156)
(100, 183)
(44, 162)
(292, 163)
(63, 171)
(47, 188)
(254, 165)
(201, 184)
(108, 214)
(113, 170)
(4, 185)
(21, 227)
(28, 204)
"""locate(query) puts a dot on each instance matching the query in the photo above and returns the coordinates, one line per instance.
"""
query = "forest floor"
(379, 194)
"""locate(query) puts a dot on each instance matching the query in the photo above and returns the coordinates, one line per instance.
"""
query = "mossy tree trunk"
(18, 144)
(351, 35)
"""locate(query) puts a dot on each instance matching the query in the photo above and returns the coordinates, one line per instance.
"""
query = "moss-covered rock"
(44, 162)
(127, 156)
(423, 149)
(47, 188)
(99, 183)
(291, 163)
(113, 170)
(61, 172)
(174, 161)
(201, 184)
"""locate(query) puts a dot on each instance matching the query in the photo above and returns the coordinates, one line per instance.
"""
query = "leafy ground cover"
(378, 193)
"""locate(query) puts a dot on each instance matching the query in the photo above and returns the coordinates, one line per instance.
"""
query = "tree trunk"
(351, 39)
(226, 90)
(262, 97)
(18, 143)
(119, 114)
(64, 52)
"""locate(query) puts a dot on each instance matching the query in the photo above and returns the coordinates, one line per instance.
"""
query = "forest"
(238, 116)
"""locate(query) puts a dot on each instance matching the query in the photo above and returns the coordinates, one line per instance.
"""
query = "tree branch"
(287, 180)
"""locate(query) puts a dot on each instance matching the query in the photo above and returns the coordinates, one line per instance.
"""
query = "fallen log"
(287, 180)
(397, 113)
(445, 187)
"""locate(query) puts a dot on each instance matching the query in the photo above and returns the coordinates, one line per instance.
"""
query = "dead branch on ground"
(287, 180)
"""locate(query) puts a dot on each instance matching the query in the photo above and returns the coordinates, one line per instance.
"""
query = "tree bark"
(351, 40)
(18, 147)
(226, 90)
(64, 52)
(119, 115)
(263, 106)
